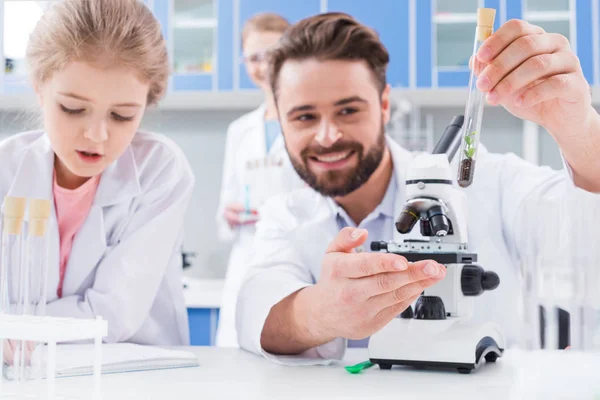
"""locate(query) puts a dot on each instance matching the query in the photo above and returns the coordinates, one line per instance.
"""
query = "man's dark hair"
(330, 36)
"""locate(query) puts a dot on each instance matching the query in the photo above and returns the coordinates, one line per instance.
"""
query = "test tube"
(37, 249)
(34, 282)
(475, 101)
(13, 215)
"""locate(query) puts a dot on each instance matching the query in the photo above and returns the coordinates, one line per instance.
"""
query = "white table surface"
(236, 374)
(203, 293)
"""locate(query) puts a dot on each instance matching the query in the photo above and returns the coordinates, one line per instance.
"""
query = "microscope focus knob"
(430, 307)
(378, 246)
(408, 313)
(474, 280)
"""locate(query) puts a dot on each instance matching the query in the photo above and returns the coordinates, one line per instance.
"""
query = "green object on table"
(355, 369)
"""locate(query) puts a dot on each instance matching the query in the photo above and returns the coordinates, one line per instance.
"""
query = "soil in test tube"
(467, 171)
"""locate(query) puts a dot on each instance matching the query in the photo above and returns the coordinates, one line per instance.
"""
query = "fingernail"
(357, 233)
(492, 97)
(484, 54)
(400, 265)
(431, 269)
(484, 83)
(519, 101)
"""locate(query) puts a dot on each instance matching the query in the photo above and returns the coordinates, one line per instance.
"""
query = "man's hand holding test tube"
(536, 76)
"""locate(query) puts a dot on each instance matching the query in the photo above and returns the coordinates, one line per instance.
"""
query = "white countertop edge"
(203, 293)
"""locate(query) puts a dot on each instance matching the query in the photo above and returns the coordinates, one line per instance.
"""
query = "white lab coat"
(293, 236)
(246, 144)
(125, 264)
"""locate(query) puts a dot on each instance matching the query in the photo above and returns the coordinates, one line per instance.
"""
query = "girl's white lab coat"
(125, 263)
(292, 238)
(247, 163)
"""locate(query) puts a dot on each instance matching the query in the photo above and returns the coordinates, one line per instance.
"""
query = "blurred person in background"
(256, 166)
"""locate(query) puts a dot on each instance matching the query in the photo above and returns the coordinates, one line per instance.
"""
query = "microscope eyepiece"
(440, 226)
(407, 219)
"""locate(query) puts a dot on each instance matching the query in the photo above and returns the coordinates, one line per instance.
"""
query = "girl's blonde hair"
(102, 32)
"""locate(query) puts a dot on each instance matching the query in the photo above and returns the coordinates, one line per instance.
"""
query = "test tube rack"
(50, 331)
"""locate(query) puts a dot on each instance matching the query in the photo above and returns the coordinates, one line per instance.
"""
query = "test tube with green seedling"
(475, 102)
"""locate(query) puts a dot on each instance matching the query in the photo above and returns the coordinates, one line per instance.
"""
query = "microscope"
(438, 333)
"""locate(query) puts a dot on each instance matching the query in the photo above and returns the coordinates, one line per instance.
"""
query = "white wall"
(201, 134)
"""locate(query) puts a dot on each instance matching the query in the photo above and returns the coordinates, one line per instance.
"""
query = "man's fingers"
(360, 265)
(504, 36)
(405, 294)
(391, 312)
(538, 68)
(390, 281)
(516, 54)
(554, 87)
(347, 240)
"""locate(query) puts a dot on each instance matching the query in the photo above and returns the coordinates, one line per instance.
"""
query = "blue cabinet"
(392, 25)
(445, 32)
(584, 42)
(557, 16)
(293, 11)
(192, 35)
(203, 324)
(444, 40)
(429, 41)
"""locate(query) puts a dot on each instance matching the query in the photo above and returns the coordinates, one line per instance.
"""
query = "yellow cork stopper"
(485, 22)
(14, 212)
(39, 212)
(39, 209)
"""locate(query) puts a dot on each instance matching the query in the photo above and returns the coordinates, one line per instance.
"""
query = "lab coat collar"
(34, 176)
(119, 182)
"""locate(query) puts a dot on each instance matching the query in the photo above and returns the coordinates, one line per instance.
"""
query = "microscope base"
(436, 344)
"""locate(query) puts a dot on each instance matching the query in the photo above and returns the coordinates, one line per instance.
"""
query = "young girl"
(256, 166)
(119, 195)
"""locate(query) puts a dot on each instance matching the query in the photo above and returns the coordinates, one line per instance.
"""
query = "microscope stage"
(442, 258)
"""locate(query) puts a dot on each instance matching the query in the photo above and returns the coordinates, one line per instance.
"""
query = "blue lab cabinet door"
(585, 37)
(582, 43)
(427, 73)
(292, 10)
(424, 45)
(203, 324)
(221, 77)
(390, 18)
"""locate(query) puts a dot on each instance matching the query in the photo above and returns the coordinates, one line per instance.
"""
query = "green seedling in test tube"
(474, 108)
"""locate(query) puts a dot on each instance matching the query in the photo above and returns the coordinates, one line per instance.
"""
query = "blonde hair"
(102, 32)
(264, 22)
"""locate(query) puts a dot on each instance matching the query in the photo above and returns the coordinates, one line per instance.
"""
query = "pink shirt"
(72, 208)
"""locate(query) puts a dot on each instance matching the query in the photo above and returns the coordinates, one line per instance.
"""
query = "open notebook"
(77, 360)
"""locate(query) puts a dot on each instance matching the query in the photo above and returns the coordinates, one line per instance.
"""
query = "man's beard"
(341, 182)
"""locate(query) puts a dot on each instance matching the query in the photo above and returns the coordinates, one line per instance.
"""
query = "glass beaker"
(583, 211)
(547, 280)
